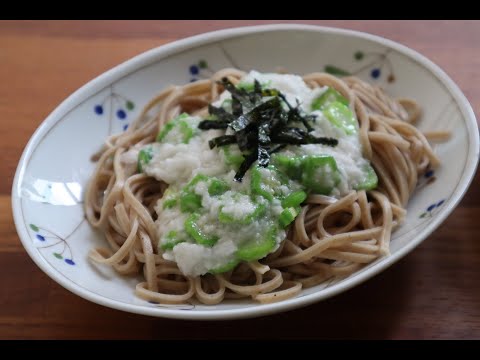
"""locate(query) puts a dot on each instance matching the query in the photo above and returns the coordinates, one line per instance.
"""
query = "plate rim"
(158, 53)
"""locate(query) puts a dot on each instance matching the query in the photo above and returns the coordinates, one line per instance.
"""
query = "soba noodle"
(331, 238)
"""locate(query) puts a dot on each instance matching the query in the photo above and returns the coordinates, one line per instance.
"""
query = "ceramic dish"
(55, 166)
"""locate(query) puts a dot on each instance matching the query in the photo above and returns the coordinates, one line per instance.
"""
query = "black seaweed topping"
(261, 125)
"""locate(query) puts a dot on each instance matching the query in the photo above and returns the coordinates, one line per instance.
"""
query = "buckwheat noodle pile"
(330, 238)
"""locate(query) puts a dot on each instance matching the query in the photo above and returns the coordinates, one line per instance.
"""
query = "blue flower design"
(194, 70)
(54, 241)
(198, 70)
(118, 105)
(431, 209)
(375, 73)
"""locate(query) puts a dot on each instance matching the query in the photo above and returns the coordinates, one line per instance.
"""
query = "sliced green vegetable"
(291, 166)
(267, 181)
(186, 129)
(250, 86)
(342, 117)
(227, 105)
(217, 187)
(170, 199)
(257, 249)
(224, 268)
(227, 218)
(190, 202)
(317, 173)
(370, 180)
(169, 203)
(288, 215)
(320, 174)
(192, 229)
(260, 210)
(329, 96)
(165, 130)
(195, 180)
(258, 186)
(144, 157)
(294, 199)
(171, 239)
(233, 156)
(245, 86)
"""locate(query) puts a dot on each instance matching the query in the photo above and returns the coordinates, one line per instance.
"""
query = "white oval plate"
(55, 166)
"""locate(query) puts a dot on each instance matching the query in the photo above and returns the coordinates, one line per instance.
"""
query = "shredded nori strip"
(261, 126)
(222, 141)
(245, 165)
(212, 124)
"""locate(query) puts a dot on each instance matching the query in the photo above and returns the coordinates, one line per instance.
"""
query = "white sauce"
(177, 163)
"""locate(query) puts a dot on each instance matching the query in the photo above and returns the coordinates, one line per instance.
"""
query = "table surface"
(432, 293)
